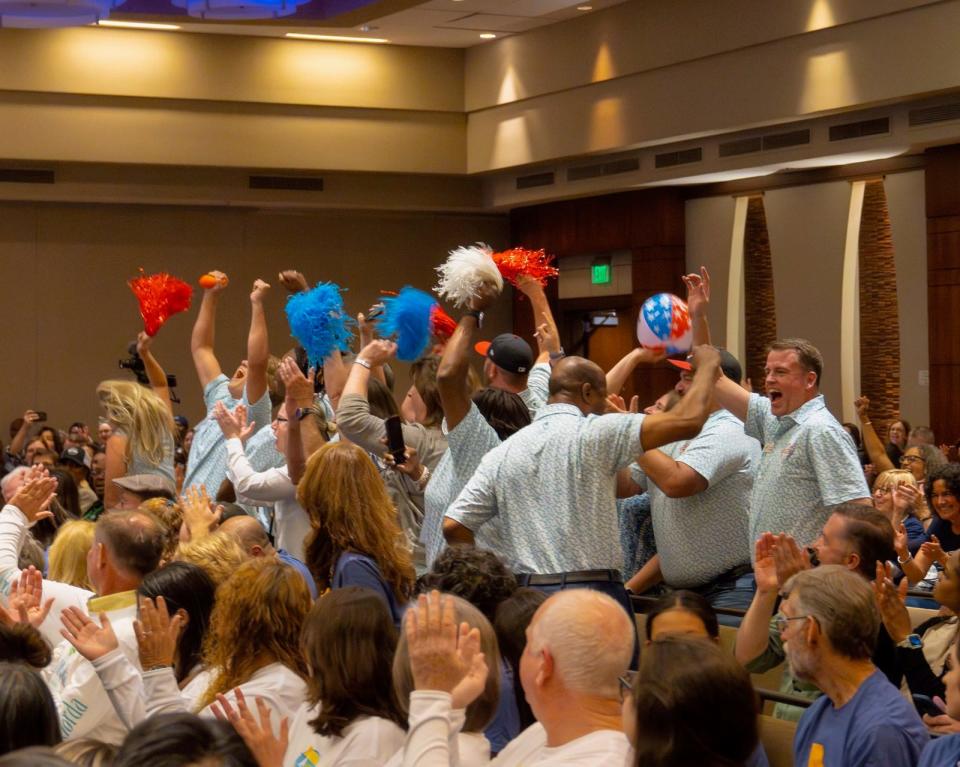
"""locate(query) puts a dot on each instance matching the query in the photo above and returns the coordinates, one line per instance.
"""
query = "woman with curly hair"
(142, 441)
(351, 714)
(354, 539)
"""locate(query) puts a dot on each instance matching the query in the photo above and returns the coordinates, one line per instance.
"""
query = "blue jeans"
(729, 592)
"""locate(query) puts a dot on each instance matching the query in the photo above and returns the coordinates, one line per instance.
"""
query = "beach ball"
(664, 323)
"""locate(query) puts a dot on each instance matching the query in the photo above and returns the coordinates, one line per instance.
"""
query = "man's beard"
(801, 659)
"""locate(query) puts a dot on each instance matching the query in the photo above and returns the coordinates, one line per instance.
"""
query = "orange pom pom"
(530, 263)
(208, 281)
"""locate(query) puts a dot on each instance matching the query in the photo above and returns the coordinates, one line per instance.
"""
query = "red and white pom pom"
(465, 272)
(518, 262)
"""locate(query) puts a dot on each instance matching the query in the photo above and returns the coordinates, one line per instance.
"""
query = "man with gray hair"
(579, 643)
(829, 623)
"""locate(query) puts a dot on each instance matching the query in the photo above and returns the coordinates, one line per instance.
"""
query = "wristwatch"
(302, 412)
(912, 642)
(477, 315)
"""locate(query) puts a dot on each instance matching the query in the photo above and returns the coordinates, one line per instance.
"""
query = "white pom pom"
(465, 271)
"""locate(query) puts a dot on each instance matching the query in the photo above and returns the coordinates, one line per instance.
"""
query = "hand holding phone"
(395, 443)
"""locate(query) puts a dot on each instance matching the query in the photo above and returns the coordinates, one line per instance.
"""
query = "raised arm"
(733, 397)
(753, 636)
(368, 334)
(304, 437)
(686, 419)
(542, 314)
(155, 373)
(19, 440)
(698, 302)
(258, 345)
(871, 440)
(455, 363)
(202, 338)
(617, 375)
(354, 418)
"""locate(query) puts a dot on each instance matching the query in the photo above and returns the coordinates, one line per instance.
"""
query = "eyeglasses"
(626, 683)
(781, 621)
(904, 459)
(278, 419)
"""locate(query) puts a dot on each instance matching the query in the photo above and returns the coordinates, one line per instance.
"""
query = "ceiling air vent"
(846, 131)
(683, 157)
(611, 168)
(537, 179)
(740, 146)
(24, 176)
(783, 140)
(292, 183)
(938, 114)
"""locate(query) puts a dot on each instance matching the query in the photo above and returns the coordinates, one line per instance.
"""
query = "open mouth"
(774, 395)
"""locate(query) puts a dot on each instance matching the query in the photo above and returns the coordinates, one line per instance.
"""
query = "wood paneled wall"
(943, 285)
(648, 223)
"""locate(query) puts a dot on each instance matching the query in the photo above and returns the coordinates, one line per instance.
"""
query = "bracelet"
(158, 667)
(362, 362)
(424, 478)
(865, 423)
(558, 355)
(904, 561)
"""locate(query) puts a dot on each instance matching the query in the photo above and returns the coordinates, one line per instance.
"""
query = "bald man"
(251, 536)
(545, 500)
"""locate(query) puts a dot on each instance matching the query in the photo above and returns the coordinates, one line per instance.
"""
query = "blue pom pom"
(407, 316)
(318, 321)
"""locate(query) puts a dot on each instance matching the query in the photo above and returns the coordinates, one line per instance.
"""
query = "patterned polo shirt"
(705, 535)
(808, 462)
(552, 489)
(467, 443)
(538, 388)
(207, 462)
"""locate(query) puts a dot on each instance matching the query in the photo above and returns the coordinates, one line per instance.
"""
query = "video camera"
(134, 363)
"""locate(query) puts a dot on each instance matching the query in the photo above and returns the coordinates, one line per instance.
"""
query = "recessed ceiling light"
(584, 7)
(488, 35)
(336, 38)
(136, 25)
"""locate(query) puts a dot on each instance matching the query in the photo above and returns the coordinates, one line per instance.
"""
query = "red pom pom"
(520, 261)
(160, 296)
(441, 323)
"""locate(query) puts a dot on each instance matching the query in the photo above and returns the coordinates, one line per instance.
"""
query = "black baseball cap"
(728, 364)
(76, 455)
(507, 351)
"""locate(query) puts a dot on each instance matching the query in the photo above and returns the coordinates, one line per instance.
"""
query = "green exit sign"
(600, 274)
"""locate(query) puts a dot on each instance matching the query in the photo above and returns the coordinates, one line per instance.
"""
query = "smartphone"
(41, 415)
(925, 705)
(395, 439)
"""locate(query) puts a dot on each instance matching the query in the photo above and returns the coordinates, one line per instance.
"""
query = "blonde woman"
(355, 539)
(218, 555)
(897, 496)
(142, 441)
(68, 553)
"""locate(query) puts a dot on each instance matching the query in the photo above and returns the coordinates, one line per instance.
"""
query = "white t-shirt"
(433, 741)
(367, 742)
(602, 748)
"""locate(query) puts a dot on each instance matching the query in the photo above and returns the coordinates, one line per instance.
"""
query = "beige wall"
(807, 228)
(69, 314)
(647, 73)
(126, 96)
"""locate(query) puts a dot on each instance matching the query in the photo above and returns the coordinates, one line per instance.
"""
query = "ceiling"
(437, 23)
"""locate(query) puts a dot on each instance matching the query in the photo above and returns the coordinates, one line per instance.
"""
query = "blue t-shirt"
(300, 567)
(942, 752)
(354, 569)
(877, 727)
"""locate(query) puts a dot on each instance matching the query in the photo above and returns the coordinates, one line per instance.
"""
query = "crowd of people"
(277, 586)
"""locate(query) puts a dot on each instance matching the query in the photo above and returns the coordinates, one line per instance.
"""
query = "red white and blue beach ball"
(664, 323)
